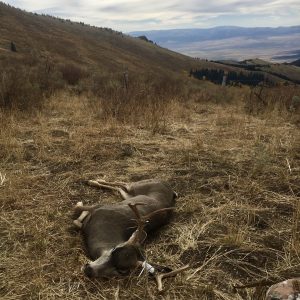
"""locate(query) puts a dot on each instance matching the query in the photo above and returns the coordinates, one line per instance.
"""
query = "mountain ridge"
(94, 47)
(228, 42)
(40, 38)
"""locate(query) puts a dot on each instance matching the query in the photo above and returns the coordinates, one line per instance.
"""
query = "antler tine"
(141, 221)
(160, 276)
(147, 217)
(135, 210)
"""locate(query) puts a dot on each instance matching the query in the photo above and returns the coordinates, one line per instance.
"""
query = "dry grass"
(237, 216)
(95, 49)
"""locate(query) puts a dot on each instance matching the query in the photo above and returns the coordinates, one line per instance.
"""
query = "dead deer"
(113, 234)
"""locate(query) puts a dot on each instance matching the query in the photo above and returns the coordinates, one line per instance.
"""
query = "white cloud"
(157, 14)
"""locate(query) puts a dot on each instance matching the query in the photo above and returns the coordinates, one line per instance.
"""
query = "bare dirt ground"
(237, 215)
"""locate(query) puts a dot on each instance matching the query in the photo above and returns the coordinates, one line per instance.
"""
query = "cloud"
(157, 14)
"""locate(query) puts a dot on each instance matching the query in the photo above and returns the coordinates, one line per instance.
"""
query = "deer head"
(125, 257)
(120, 260)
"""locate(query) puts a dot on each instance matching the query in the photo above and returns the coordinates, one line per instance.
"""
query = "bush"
(49, 78)
(263, 99)
(146, 101)
(18, 90)
(26, 87)
(72, 74)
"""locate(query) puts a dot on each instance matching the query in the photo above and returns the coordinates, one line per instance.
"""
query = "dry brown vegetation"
(25, 87)
(66, 42)
(40, 38)
(237, 175)
(67, 115)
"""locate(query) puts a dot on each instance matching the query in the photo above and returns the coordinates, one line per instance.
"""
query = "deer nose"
(88, 271)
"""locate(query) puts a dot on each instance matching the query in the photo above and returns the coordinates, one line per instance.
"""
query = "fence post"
(125, 77)
(224, 78)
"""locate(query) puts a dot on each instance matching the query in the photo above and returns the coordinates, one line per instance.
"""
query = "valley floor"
(237, 215)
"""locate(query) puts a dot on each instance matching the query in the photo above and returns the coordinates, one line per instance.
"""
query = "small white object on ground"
(147, 267)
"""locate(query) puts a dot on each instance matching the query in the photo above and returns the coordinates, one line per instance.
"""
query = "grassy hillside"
(51, 53)
(287, 72)
(291, 72)
(41, 39)
(38, 36)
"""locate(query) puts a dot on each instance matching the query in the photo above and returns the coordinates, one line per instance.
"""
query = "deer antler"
(160, 276)
(136, 237)
(141, 221)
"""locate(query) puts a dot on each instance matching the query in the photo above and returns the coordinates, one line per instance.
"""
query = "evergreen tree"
(216, 76)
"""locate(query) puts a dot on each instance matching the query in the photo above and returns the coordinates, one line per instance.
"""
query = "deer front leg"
(83, 215)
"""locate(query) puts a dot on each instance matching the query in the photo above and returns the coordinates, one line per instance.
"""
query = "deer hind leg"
(121, 187)
(117, 184)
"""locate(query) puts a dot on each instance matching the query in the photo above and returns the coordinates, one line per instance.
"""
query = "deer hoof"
(77, 223)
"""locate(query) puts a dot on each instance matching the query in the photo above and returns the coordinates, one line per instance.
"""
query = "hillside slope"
(284, 71)
(296, 63)
(39, 38)
(66, 41)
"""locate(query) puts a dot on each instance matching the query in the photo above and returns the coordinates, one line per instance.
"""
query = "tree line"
(232, 77)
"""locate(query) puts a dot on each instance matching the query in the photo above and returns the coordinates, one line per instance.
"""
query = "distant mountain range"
(280, 44)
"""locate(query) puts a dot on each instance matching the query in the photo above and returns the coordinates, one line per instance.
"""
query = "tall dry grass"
(237, 175)
(24, 87)
(143, 101)
(277, 100)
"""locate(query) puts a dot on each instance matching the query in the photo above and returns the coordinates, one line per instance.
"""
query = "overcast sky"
(130, 15)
